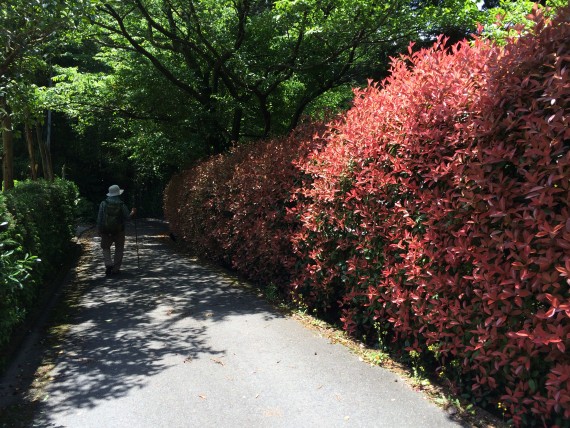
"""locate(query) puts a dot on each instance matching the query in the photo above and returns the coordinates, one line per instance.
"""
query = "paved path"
(176, 344)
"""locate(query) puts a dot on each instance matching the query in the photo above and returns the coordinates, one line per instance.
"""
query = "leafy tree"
(29, 30)
(171, 81)
(188, 78)
(507, 17)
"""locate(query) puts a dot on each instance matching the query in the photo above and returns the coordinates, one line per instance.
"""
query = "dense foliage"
(177, 80)
(15, 281)
(31, 31)
(35, 240)
(232, 208)
(439, 216)
(432, 216)
(131, 91)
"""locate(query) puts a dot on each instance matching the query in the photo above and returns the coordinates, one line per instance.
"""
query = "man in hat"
(113, 214)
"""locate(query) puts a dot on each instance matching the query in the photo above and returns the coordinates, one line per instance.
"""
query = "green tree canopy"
(199, 75)
(30, 32)
(164, 82)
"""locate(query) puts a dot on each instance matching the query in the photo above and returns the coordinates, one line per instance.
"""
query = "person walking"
(113, 214)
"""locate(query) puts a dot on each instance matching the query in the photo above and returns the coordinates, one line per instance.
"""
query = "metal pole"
(137, 244)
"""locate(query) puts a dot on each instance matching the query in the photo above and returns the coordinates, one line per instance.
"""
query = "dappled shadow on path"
(139, 323)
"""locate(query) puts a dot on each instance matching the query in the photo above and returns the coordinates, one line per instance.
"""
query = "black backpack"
(113, 221)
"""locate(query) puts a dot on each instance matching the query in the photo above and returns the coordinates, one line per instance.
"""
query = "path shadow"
(141, 322)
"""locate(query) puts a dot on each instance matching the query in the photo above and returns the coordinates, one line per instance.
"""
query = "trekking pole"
(136, 230)
(137, 244)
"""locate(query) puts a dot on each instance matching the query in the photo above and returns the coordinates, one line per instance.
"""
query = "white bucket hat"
(115, 190)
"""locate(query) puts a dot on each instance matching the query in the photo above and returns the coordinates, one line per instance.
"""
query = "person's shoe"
(108, 270)
(115, 271)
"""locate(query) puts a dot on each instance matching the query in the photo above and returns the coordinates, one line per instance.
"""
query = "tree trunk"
(266, 115)
(31, 151)
(236, 125)
(44, 153)
(42, 149)
(8, 146)
(48, 146)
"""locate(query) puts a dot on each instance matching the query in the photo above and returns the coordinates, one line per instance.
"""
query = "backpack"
(112, 218)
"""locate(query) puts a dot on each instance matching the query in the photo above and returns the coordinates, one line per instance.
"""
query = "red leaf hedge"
(232, 208)
(439, 216)
(435, 214)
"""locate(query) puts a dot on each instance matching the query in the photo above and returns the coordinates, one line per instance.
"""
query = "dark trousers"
(106, 241)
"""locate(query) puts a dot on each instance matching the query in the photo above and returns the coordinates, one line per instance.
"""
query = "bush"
(40, 219)
(432, 216)
(233, 208)
(438, 218)
(15, 278)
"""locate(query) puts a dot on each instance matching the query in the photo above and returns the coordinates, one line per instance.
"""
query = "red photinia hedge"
(232, 208)
(439, 217)
(435, 214)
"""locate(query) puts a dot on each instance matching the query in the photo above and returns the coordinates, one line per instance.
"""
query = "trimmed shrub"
(16, 282)
(438, 218)
(432, 217)
(40, 217)
(232, 208)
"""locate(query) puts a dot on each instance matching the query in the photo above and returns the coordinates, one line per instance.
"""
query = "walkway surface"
(174, 343)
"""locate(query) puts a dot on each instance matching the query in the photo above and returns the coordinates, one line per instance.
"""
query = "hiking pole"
(137, 244)
(136, 231)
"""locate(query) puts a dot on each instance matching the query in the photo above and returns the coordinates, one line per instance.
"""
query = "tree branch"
(154, 60)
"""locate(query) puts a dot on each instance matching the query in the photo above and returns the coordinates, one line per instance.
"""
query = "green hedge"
(33, 244)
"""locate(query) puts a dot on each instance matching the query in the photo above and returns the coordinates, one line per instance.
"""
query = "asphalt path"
(172, 342)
